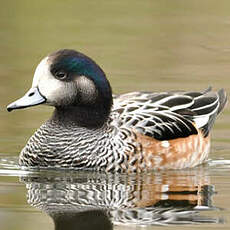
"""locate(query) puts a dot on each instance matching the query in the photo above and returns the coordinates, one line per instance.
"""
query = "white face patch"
(41, 70)
(54, 90)
(86, 88)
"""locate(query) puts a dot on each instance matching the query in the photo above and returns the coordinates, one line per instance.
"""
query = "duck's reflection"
(84, 200)
(84, 220)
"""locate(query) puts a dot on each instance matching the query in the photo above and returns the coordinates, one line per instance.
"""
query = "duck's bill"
(31, 98)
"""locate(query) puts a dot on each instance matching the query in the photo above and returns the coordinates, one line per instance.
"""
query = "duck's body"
(141, 131)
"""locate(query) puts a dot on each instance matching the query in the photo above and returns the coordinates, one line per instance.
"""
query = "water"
(141, 45)
(89, 199)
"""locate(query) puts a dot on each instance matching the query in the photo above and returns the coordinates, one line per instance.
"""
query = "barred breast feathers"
(54, 145)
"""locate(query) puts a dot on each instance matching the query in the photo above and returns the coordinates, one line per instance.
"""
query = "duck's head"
(74, 84)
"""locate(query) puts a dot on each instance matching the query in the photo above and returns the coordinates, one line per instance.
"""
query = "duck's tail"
(222, 100)
(207, 107)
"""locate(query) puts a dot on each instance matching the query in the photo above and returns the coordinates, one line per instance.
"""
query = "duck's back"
(169, 115)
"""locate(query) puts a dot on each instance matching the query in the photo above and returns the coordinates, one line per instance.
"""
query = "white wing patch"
(201, 121)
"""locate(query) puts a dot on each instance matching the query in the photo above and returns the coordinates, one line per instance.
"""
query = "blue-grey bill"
(31, 98)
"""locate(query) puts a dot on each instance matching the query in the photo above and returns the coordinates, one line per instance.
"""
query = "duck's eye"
(61, 75)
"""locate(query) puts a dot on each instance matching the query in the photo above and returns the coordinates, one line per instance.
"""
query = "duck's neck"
(92, 113)
(83, 116)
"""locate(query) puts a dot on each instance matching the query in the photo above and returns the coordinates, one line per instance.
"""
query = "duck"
(93, 129)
